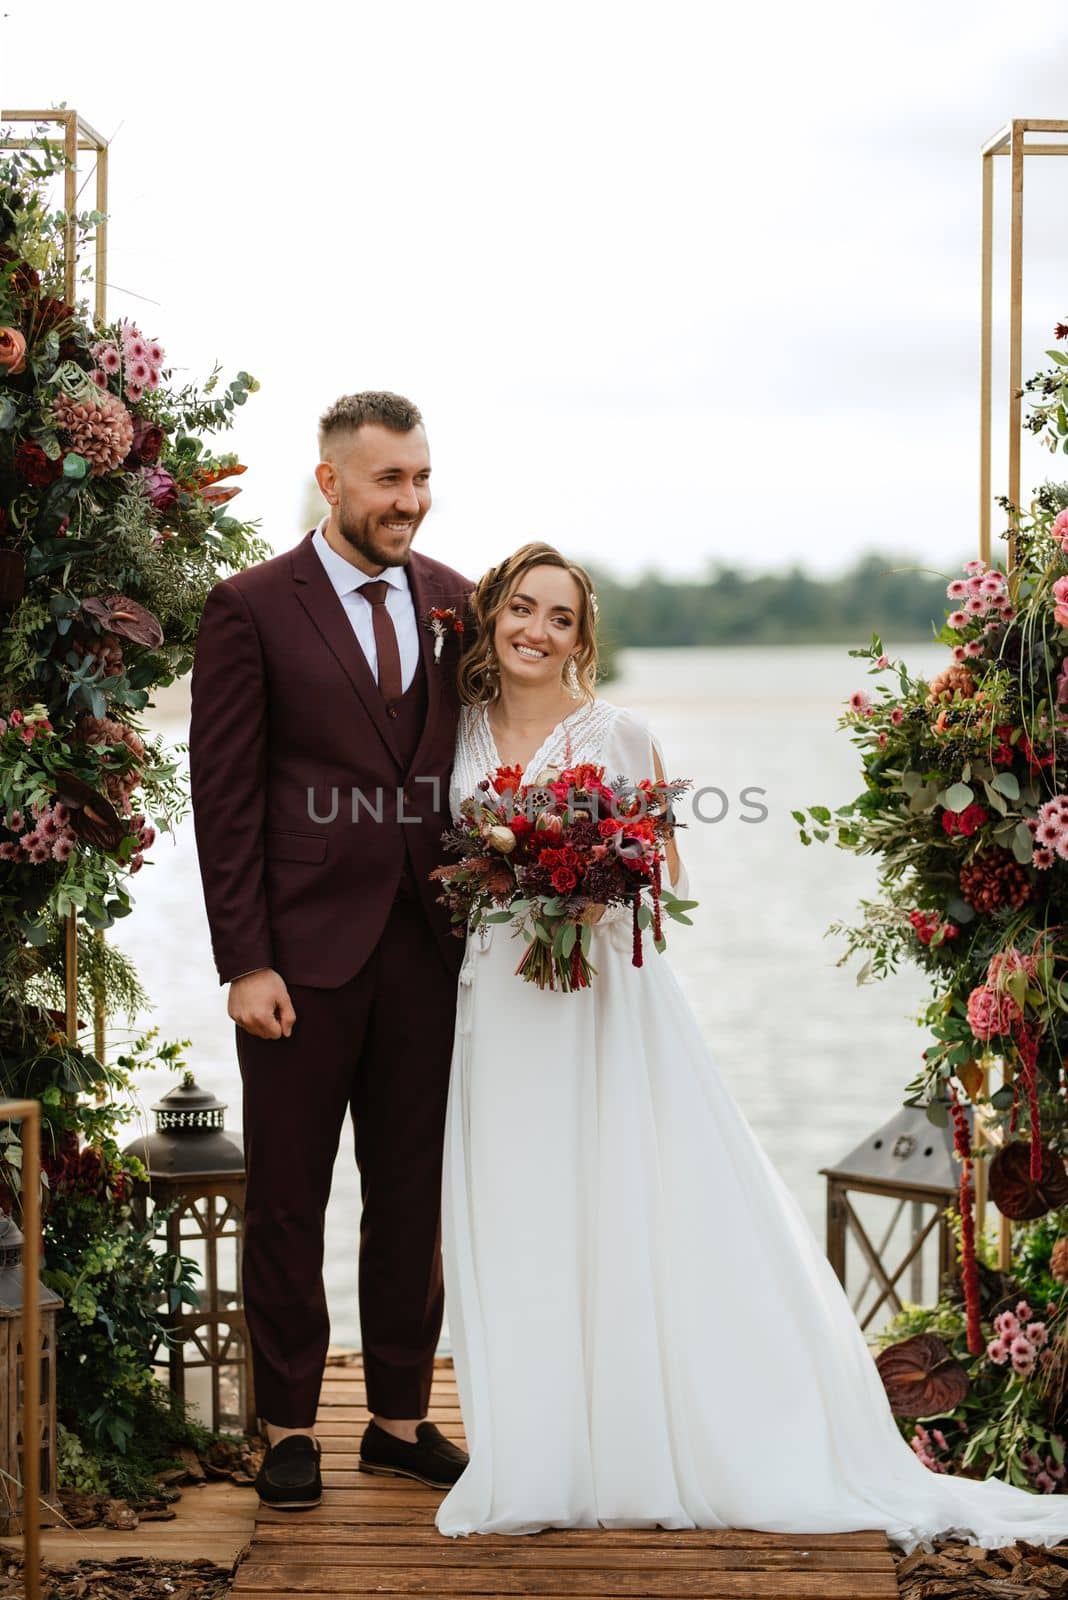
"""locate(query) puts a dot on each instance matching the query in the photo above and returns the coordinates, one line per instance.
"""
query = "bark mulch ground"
(959, 1572)
(124, 1578)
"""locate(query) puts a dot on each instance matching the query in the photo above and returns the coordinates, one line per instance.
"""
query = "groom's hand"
(260, 1003)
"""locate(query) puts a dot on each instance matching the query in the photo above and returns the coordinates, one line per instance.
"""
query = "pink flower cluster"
(990, 1012)
(1059, 530)
(1016, 1342)
(51, 838)
(985, 593)
(28, 724)
(1045, 1475)
(136, 365)
(925, 1441)
(1049, 828)
(145, 834)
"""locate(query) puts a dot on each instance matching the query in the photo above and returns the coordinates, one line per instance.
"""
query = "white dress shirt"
(347, 579)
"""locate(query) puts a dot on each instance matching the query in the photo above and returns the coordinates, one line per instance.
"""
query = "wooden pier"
(376, 1536)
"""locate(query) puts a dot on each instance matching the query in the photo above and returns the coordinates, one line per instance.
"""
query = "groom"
(320, 747)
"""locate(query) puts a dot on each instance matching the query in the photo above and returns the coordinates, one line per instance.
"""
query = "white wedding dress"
(644, 1327)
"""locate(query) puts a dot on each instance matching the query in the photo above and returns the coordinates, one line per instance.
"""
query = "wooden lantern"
(13, 1442)
(909, 1162)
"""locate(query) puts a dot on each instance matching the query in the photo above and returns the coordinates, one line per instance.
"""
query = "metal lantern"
(196, 1169)
(13, 1443)
(909, 1161)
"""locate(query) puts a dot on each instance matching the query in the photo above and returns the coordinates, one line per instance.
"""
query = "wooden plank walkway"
(376, 1536)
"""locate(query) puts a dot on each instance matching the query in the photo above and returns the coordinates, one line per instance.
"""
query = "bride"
(645, 1331)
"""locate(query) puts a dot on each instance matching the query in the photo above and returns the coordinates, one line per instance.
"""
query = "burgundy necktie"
(389, 665)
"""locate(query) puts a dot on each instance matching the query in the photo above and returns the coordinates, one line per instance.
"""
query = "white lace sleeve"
(630, 751)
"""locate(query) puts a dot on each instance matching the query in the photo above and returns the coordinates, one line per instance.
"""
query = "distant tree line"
(891, 595)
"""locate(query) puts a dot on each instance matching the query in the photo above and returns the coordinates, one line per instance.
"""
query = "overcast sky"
(671, 284)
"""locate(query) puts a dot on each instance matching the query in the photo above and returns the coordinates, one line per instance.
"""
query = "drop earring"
(571, 678)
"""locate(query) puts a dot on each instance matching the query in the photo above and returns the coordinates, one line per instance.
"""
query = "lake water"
(814, 1061)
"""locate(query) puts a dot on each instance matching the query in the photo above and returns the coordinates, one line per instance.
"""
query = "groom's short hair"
(372, 405)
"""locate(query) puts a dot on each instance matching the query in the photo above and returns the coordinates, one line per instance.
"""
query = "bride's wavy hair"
(478, 671)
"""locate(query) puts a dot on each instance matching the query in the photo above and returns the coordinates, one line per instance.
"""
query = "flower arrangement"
(114, 525)
(545, 857)
(438, 620)
(965, 807)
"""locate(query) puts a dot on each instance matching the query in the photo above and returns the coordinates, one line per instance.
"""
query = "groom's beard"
(368, 540)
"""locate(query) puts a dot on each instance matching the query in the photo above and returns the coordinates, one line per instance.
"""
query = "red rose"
(548, 858)
(34, 466)
(147, 444)
(563, 880)
(608, 826)
(949, 822)
(971, 819)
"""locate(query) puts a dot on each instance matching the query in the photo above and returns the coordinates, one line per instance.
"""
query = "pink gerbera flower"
(972, 649)
(9, 850)
(1023, 1311)
(973, 567)
(39, 853)
(998, 1351)
(14, 821)
(155, 352)
(957, 589)
(1042, 858)
(958, 619)
(134, 391)
(63, 847)
(1037, 1333)
(897, 716)
(152, 382)
(859, 700)
(99, 377)
(138, 372)
(107, 356)
(975, 605)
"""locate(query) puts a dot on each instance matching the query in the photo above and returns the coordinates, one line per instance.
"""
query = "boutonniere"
(439, 620)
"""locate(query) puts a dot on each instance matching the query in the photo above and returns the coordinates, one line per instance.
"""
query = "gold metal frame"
(28, 1112)
(1010, 141)
(77, 135)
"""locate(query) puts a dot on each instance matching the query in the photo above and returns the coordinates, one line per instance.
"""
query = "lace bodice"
(581, 736)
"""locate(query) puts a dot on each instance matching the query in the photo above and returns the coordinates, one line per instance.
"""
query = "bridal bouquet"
(551, 855)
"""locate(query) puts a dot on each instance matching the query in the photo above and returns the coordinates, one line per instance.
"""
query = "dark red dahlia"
(34, 467)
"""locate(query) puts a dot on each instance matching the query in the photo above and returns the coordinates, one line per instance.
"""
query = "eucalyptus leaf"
(1023, 846)
(999, 803)
(938, 1113)
(1008, 784)
(957, 797)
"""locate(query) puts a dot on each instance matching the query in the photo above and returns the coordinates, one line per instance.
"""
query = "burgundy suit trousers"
(379, 1048)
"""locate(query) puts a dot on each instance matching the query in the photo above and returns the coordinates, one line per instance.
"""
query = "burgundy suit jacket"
(287, 719)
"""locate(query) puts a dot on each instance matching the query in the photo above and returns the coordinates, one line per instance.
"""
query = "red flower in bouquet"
(34, 467)
(562, 867)
(506, 780)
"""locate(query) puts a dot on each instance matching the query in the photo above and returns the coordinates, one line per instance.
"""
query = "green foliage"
(115, 522)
